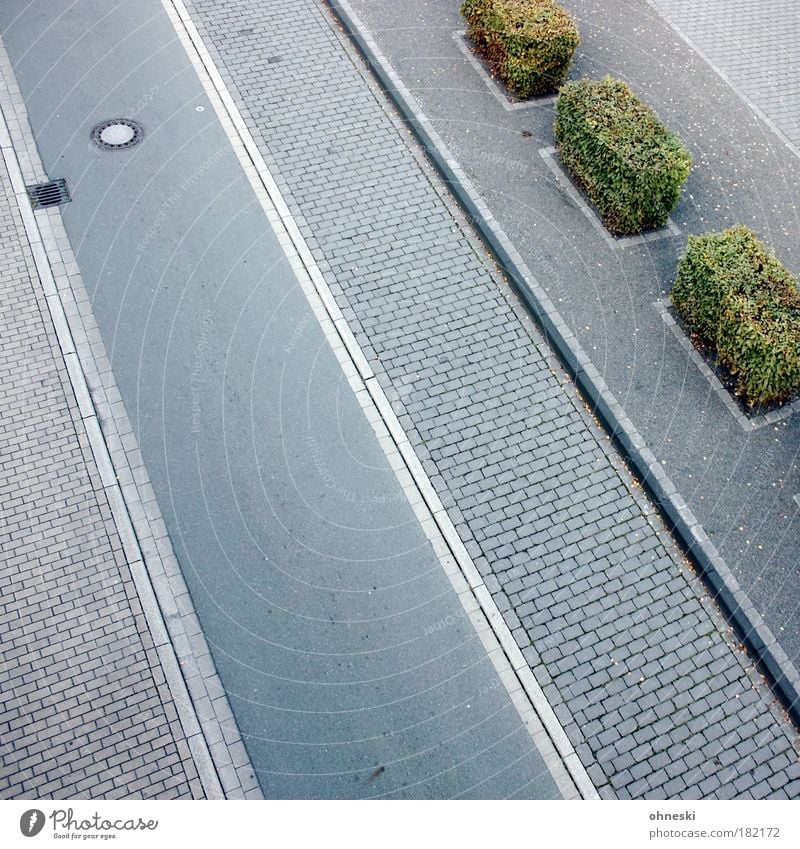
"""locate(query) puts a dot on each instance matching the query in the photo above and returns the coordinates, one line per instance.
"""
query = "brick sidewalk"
(638, 666)
(755, 45)
(84, 707)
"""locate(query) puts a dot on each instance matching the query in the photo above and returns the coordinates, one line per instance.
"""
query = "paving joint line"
(747, 423)
(157, 598)
(679, 518)
(535, 711)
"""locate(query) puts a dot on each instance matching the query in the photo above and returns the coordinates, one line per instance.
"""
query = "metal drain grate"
(52, 193)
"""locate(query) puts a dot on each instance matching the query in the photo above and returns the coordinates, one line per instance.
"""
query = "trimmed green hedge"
(529, 44)
(629, 164)
(738, 297)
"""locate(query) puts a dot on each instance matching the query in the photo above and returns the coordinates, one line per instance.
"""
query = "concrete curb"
(735, 604)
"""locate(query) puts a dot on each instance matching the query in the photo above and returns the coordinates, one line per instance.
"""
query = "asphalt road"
(349, 664)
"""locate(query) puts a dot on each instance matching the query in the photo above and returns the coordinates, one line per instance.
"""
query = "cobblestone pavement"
(637, 665)
(84, 707)
(755, 45)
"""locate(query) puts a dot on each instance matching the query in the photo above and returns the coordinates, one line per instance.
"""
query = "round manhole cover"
(117, 134)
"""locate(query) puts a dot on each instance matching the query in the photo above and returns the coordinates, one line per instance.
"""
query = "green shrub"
(629, 164)
(529, 44)
(738, 298)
